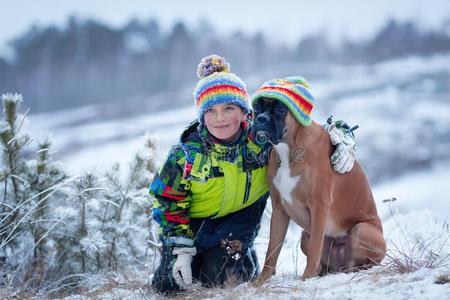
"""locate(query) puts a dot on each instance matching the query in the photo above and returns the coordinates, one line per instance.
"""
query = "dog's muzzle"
(261, 130)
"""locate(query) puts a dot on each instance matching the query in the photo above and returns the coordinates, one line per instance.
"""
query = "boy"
(212, 189)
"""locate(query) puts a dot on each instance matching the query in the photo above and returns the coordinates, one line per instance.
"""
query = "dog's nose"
(262, 118)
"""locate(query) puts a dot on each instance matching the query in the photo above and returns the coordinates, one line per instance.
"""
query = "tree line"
(90, 62)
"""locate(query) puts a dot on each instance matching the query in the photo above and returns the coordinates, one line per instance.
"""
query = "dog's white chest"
(283, 181)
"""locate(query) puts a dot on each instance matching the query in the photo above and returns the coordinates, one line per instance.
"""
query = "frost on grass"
(55, 228)
(415, 240)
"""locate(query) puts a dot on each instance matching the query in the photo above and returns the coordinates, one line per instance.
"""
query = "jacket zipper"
(247, 186)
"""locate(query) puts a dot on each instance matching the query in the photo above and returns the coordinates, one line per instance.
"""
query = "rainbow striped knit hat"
(293, 92)
(218, 85)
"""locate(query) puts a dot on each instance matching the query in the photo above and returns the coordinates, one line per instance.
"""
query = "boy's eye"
(208, 111)
(229, 108)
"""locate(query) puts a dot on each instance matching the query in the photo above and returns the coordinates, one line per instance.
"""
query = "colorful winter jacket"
(202, 178)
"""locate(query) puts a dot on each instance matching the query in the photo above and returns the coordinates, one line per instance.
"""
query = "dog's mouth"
(263, 137)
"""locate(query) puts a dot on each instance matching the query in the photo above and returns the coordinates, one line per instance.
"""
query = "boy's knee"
(214, 263)
(219, 267)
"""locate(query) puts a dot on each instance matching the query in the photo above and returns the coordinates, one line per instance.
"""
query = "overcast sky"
(282, 20)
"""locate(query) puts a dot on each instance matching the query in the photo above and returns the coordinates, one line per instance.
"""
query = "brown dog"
(342, 230)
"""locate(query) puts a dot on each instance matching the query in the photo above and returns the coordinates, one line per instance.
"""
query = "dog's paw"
(310, 273)
(263, 277)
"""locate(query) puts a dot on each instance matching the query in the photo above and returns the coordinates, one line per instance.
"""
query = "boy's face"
(224, 120)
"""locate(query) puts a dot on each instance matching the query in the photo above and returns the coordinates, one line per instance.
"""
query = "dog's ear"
(290, 123)
(291, 120)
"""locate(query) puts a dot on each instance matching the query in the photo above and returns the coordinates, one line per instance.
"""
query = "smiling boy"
(212, 189)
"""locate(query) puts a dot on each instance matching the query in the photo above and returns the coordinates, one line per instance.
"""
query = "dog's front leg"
(279, 223)
(319, 211)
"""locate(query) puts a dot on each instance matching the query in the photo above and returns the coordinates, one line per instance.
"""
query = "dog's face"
(269, 123)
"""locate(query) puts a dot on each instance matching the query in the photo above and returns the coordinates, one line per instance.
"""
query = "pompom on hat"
(218, 85)
(293, 92)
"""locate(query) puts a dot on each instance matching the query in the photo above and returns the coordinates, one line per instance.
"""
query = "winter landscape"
(403, 143)
(75, 215)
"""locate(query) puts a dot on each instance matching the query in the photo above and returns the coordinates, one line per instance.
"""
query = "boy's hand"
(182, 271)
(341, 135)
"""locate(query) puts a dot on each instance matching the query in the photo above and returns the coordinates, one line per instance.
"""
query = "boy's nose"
(220, 115)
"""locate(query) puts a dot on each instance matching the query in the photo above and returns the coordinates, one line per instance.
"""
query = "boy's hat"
(218, 85)
(293, 92)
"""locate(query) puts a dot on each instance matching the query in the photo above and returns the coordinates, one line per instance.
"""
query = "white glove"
(182, 271)
(343, 157)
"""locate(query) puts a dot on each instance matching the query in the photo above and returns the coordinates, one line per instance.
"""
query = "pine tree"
(88, 244)
(127, 201)
(44, 178)
(30, 188)
(54, 225)
(13, 197)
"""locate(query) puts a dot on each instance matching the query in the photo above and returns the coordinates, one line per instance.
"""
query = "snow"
(429, 190)
(381, 75)
(405, 135)
(404, 233)
(117, 141)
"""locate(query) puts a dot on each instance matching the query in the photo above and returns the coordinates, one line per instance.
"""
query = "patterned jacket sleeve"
(171, 206)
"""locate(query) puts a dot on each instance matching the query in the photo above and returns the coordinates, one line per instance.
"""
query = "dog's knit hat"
(218, 85)
(293, 92)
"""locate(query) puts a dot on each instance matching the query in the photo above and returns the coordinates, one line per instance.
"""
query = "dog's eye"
(280, 109)
(256, 108)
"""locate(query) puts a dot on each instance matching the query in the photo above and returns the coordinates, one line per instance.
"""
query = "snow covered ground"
(403, 108)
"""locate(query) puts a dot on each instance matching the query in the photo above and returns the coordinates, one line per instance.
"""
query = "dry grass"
(443, 279)
(130, 282)
(428, 253)
(15, 294)
(243, 291)
(419, 256)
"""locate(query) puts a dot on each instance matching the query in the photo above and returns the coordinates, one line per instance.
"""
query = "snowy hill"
(403, 109)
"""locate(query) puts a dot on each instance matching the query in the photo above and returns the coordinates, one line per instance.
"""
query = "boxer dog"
(341, 227)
